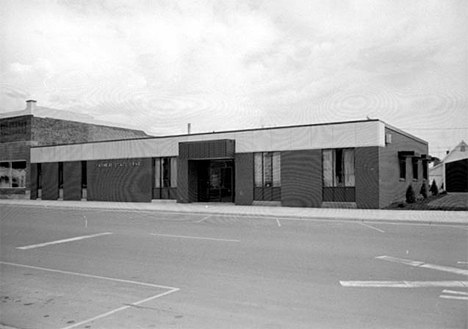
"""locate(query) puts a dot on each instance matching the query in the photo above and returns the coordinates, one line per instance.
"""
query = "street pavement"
(165, 265)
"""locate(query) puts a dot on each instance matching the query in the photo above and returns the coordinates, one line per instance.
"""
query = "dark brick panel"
(50, 188)
(207, 149)
(182, 181)
(72, 180)
(301, 178)
(121, 180)
(367, 177)
(193, 186)
(244, 178)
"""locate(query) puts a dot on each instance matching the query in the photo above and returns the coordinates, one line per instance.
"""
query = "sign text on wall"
(115, 164)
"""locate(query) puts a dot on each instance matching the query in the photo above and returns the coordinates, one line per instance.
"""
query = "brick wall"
(391, 187)
(47, 131)
(15, 129)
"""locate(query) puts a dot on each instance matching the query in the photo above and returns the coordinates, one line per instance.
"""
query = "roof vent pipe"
(30, 106)
(189, 128)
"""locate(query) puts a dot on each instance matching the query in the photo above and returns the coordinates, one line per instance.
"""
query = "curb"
(318, 217)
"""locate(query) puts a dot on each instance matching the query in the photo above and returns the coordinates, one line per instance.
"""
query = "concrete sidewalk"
(440, 217)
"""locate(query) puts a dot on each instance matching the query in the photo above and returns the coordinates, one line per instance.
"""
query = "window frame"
(334, 171)
(10, 174)
(165, 172)
(402, 168)
(267, 169)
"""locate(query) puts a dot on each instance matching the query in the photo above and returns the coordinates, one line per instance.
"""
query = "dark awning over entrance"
(201, 150)
(408, 154)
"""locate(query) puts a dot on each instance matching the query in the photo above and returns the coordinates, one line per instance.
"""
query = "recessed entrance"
(215, 180)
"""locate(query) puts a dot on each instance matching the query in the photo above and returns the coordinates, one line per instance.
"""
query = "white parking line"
(90, 276)
(455, 292)
(170, 290)
(203, 219)
(278, 222)
(372, 227)
(403, 284)
(425, 265)
(454, 297)
(193, 237)
(121, 308)
(40, 245)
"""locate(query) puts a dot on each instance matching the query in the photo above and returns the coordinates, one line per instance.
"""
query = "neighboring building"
(21, 130)
(360, 164)
(452, 173)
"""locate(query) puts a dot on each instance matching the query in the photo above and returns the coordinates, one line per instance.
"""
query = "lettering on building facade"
(114, 164)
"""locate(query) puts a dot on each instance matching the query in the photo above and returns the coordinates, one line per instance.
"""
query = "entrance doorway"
(216, 181)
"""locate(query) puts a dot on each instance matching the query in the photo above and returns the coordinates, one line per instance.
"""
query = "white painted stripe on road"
(455, 292)
(425, 265)
(121, 308)
(89, 276)
(462, 263)
(403, 284)
(203, 219)
(278, 222)
(40, 245)
(194, 237)
(454, 297)
(446, 269)
(400, 260)
(372, 227)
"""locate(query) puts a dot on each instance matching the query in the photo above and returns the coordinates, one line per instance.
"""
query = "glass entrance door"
(218, 182)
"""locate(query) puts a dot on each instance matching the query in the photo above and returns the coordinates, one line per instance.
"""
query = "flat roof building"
(358, 164)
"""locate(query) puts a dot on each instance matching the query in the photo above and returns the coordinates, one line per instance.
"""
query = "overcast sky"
(222, 65)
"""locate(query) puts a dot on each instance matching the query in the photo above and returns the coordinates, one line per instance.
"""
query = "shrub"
(410, 198)
(423, 190)
(434, 190)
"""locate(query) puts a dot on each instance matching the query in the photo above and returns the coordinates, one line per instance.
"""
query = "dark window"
(338, 167)
(84, 175)
(39, 175)
(402, 164)
(425, 170)
(60, 174)
(165, 172)
(267, 169)
(414, 162)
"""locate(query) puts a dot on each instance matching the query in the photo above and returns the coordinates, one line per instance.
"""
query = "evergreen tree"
(410, 198)
(423, 190)
(434, 190)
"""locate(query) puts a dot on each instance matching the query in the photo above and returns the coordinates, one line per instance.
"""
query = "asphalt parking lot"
(102, 268)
